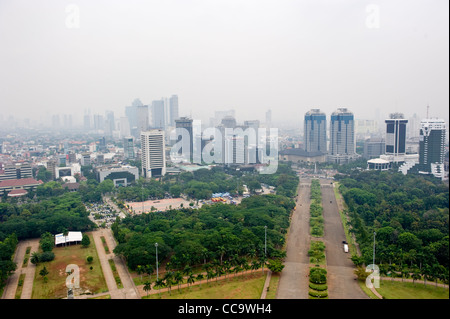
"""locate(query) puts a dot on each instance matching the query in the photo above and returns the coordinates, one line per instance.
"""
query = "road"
(129, 290)
(293, 282)
(342, 283)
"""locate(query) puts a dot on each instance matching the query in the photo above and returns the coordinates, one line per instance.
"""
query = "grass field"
(407, 290)
(55, 287)
(240, 287)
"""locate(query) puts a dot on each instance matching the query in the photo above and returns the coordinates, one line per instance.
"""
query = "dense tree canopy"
(192, 236)
(409, 213)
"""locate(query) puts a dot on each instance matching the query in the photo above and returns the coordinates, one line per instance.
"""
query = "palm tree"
(159, 283)
(200, 278)
(237, 269)
(147, 286)
(35, 258)
(139, 270)
(209, 275)
(187, 270)
(255, 265)
(205, 254)
(191, 279)
(178, 279)
(415, 275)
(148, 269)
(168, 277)
(246, 267)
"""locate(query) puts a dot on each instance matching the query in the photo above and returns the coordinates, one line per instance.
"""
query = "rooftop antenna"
(428, 108)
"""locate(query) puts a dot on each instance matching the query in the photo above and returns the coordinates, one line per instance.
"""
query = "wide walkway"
(11, 284)
(293, 282)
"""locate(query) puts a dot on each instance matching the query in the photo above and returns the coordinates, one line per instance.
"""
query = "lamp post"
(156, 246)
(373, 262)
(265, 241)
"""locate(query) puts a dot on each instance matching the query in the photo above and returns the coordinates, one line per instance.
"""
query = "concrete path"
(129, 290)
(266, 285)
(11, 284)
(293, 282)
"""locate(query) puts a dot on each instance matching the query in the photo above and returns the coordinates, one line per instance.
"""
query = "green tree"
(147, 286)
(275, 265)
(43, 273)
(85, 241)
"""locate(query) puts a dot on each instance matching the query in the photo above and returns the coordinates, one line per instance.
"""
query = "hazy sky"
(288, 56)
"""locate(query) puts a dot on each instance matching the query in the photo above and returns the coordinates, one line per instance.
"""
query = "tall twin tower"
(342, 148)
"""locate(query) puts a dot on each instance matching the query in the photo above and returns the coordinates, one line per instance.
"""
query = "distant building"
(373, 147)
(27, 184)
(173, 109)
(16, 171)
(298, 155)
(396, 135)
(153, 157)
(158, 116)
(120, 175)
(342, 137)
(142, 118)
(186, 123)
(86, 159)
(315, 131)
(432, 147)
(128, 147)
(378, 164)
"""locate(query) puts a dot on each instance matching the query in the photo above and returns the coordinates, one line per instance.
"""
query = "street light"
(156, 246)
(373, 263)
(265, 240)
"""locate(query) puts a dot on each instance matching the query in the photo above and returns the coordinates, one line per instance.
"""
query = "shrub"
(318, 287)
(46, 256)
(318, 275)
(318, 294)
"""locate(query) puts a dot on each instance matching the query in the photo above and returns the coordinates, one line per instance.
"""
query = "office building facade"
(395, 141)
(153, 153)
(315, 131)
(342, 137)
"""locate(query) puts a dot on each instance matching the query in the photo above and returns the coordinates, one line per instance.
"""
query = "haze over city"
(373, 57)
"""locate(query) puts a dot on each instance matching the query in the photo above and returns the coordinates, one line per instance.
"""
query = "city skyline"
(249, 56)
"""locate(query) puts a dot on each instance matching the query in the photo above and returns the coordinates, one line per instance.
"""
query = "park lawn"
(407, 290)
(273, 286)
(248, 286)
(55, 287)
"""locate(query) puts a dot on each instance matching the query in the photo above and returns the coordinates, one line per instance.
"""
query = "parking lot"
(102, 214)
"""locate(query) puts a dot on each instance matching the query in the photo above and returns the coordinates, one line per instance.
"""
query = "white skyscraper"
(153, 153)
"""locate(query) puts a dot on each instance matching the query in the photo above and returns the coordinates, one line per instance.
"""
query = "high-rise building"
(315, 131)
(153, 153)
(124, 124)
(395, 135)
(186, 123)
(128, 147)
(131, 112)
(173, 106)
(432, 147)
(268, 118)
(158, 117)
(342, 137)
(142, 118)
(109, 123)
